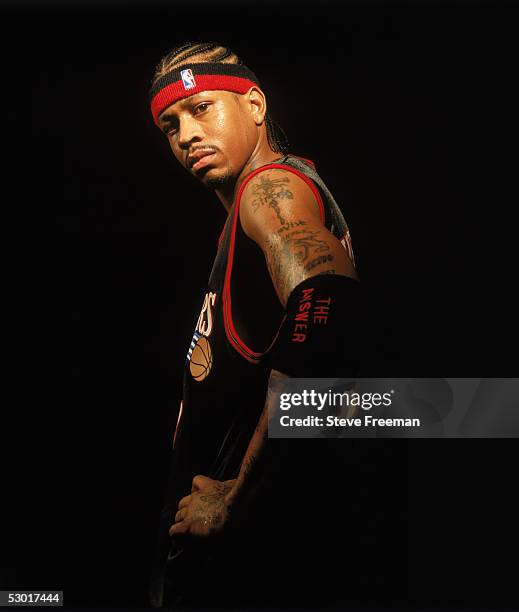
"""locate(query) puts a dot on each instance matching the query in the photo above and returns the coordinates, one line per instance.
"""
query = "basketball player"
(280, 301)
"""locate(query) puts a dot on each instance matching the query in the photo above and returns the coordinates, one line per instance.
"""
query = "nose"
(189, 130)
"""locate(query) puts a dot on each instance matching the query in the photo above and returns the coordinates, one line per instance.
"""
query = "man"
(282, 300)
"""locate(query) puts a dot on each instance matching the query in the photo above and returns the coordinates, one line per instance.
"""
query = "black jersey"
(228, 361)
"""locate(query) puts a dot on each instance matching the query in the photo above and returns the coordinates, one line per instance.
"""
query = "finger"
(199, 481)
(185, 501)
(180, 515)
(179, 528)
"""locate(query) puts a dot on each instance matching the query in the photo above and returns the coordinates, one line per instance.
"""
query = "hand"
(205, 512)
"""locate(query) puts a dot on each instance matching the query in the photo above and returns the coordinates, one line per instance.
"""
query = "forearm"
(213, 504)
(256, 463)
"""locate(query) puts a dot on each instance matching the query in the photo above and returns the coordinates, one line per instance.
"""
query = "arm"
(280, 213)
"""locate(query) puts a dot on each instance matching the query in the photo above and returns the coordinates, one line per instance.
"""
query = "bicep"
(280, 213)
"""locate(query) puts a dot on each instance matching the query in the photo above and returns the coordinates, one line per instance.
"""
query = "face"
(212, 134)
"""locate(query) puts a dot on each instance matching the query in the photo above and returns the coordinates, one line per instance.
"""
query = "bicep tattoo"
(295, 249)
(292, 253)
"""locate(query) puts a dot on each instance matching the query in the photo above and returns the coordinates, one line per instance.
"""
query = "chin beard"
(220, 182)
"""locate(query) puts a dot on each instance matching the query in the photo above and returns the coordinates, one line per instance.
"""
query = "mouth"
(200, 159)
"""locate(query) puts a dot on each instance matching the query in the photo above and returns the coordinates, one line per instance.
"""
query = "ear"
(257, 104)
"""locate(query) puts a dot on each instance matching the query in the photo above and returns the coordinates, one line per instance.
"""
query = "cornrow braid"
(223, 55)
(174, 53)
(200, 49)
(213, 52)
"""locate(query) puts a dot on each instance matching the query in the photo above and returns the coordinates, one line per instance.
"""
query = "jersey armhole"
(230, 331)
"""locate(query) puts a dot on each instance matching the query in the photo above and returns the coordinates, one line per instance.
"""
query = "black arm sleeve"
(321, 335)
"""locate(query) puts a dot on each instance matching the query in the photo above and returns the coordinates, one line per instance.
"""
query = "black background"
(407, 110)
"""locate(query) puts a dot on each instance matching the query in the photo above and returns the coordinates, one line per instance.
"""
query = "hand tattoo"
(212, 505)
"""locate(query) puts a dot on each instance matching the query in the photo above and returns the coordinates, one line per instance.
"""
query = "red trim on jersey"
(176, 91)
(230, 330)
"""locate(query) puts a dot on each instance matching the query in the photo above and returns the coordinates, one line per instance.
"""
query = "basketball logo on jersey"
(188, 79)
(200, 354)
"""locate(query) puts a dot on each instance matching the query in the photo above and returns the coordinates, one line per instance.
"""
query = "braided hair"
(216, 53)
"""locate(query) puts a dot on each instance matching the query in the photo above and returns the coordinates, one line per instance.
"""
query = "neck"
(261, 155)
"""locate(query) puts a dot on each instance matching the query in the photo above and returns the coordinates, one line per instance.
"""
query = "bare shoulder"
(274, 198)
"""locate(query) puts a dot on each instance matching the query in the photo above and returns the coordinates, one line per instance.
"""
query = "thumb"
(199, 481)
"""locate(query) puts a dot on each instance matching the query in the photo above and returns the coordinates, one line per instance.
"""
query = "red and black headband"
(190, 79)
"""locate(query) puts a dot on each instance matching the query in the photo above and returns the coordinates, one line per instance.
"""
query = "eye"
(171, 129)
(202, 107)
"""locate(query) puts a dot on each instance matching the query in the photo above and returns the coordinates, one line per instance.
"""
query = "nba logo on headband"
(188, 79)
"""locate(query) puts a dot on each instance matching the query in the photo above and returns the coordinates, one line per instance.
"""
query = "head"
(214, 131)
